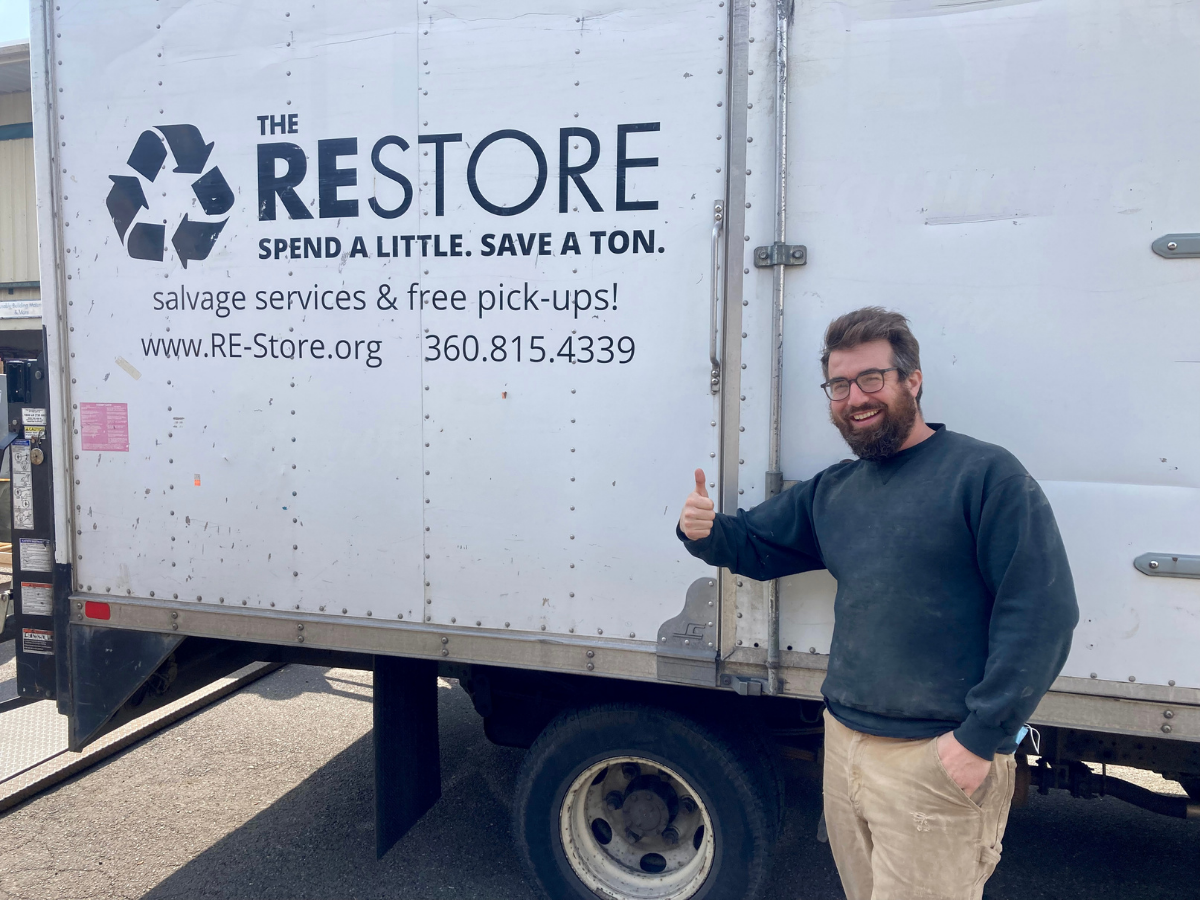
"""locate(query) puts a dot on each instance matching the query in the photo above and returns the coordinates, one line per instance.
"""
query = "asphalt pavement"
(268, 794)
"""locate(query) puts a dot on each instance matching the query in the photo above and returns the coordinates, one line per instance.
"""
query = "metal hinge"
(747, 687)
(1170, 565)
(774, 484)
(714, 379)
(780, 254)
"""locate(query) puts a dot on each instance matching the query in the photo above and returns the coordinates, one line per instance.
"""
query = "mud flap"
(408, 773)
(687, 644)
(117, 675)
(107, 668)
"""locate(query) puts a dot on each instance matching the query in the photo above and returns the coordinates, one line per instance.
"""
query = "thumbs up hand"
(696, 520)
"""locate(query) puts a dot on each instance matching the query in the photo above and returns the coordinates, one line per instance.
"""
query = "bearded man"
(954, 613)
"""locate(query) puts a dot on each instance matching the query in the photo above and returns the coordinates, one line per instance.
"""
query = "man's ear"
(913, 382)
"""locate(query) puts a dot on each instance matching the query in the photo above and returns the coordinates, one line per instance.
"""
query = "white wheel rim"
(654, 867)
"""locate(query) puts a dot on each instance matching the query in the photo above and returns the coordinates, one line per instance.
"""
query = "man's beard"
(881, 440)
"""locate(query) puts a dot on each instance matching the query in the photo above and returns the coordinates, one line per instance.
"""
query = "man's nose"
(857, 395)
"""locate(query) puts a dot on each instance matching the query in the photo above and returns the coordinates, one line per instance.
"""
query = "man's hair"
(874, 323)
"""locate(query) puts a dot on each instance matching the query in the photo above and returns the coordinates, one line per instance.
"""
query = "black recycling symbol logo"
(193, 238)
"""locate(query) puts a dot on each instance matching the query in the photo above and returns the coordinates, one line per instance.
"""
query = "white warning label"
(33, 416)
(20, 458)
(34, 640)
(37, 599)
(36, 555)
(22, 486)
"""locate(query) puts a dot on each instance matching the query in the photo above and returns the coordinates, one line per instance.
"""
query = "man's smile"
(866, 415)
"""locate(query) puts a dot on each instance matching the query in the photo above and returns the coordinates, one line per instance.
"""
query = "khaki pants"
(900, 828)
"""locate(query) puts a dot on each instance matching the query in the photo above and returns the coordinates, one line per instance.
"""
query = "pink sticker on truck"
(104, 426)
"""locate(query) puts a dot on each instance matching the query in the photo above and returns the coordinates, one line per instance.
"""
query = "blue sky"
(14, 20)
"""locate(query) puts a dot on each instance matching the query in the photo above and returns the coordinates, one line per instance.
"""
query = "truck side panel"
(385, 315)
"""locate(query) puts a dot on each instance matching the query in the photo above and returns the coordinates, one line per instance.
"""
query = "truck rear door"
(568, 398)
(1009, 175)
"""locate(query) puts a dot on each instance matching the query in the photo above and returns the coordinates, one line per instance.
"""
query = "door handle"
(713, 324)
(1169, 565)
(1177, 246)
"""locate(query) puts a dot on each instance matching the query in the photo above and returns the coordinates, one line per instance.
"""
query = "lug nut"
(631, 770)
(632, 836)
(670, 836)
(614, 800)
(688, 804)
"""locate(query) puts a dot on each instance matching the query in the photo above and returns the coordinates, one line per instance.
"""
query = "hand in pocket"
(967, 769)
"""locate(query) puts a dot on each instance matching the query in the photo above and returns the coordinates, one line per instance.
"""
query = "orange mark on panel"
(504, 395)
(197, 479)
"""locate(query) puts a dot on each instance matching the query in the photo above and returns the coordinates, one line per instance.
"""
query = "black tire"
(730, 774)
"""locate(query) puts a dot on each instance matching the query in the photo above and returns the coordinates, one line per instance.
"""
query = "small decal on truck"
(22, 486)
(36, 555)
(37, 599)
(34, 640)
(104, 426)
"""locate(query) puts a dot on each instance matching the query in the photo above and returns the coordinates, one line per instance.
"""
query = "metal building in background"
(20, 292)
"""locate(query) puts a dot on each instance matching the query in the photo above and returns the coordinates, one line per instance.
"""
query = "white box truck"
(389, 334)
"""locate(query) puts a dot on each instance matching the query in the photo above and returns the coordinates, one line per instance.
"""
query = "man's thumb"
(700, 489)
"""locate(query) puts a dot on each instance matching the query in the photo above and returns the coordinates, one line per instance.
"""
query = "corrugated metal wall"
(18, 217)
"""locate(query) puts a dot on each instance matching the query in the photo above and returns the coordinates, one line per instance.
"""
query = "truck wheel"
(624, 801)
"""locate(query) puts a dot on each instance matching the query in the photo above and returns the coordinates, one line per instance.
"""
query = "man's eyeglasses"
(869, 382)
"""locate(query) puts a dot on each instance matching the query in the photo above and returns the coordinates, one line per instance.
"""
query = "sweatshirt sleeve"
(1024, 564)
(774, 539)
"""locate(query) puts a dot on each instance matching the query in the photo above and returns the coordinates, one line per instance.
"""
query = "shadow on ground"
(317, 841)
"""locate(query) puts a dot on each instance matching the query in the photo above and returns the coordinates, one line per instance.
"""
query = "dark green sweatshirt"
(955, 603)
